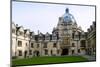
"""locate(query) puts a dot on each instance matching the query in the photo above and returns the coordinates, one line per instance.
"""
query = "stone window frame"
(19, 52)
(54, 44)
(45, 45)
(26, 44)
(32, 45)
(19, 43)
(47, 37)
(46, 52)
(30, 52)
(73, 44)
(38, 45)
(83, 43)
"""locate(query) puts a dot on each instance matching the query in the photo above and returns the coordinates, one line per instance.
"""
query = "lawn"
(48, 60)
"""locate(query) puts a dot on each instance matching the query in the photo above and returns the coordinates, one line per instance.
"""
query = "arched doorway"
(37, 53)
(65, 51)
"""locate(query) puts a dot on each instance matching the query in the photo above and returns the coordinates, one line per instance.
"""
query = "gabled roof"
(13, 25)
(31, 33)
(18, 28)
(47, 34)
(26, 30)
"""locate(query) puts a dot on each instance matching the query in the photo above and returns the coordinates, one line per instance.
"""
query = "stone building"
(66, 39)
(91, 39)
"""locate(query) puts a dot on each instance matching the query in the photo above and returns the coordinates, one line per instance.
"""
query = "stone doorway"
(65, 51)
(25, 54)
(36, 53)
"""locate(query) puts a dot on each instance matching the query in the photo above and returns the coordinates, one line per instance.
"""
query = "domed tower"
(65, 26)
(67, 17)
(65, 23)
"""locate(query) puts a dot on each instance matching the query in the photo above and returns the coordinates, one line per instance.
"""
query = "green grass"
(48, 60)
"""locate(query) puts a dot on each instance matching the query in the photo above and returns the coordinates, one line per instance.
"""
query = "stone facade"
(91, 40)
(66, 39)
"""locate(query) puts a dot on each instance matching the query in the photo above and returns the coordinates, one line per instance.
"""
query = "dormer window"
(40, 37)
(20, 33)
(54, 37)
(47, 38)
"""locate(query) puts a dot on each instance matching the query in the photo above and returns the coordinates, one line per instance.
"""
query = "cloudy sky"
(43, 17)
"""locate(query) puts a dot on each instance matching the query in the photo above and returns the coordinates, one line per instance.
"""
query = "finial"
(67, 10)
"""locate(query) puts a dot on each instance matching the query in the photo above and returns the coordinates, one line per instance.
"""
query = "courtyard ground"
(48, 60)
(90, 58)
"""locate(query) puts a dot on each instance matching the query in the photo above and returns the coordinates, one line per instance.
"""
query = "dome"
(67, 17)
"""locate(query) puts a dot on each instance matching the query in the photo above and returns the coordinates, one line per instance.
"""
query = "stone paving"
(90, 58)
